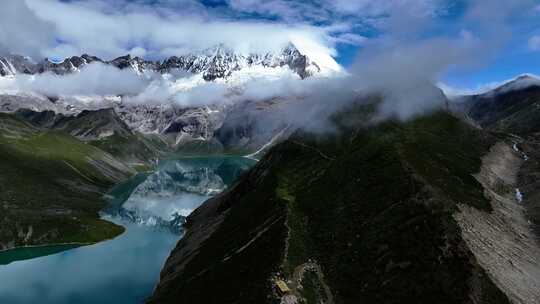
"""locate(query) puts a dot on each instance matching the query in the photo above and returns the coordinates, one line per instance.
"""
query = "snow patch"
(519, 196)
(268, 144)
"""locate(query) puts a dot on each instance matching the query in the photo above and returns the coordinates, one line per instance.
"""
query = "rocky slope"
(104, 129)
(244, 127)
(372, 214)
(503, 240)
(514, 108)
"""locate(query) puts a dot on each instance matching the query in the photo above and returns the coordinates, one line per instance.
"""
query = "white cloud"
(534, 43)
(165, 27)
(453, 92)
(53, 28)
(401, 60)
(21, 31)
(525, 80)
(337, 10)
(350, 38)
(94, 79)
(288, 10)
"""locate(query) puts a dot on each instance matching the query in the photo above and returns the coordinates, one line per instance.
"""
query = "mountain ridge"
(342, 219)
(213, 63)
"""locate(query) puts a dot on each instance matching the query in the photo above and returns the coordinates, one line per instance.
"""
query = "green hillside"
(361, 215)
(51, 186)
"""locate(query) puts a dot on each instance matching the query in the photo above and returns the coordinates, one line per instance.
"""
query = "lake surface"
(126, 269)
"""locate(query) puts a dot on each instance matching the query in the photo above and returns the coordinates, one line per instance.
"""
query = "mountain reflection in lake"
(167, 196)
(126, 269)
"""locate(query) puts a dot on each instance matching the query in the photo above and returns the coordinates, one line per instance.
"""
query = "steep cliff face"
(364, 215)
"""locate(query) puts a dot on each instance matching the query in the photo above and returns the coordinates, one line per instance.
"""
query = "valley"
(151, 208)
(62, 154)
(282, 199)
(375, 195)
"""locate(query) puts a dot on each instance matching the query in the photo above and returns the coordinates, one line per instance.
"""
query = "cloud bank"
(21, 31)
(53, 28)
(403, 65)
(159, 28)
(95, 79)
(98, 80)
(413, 45)
(534, 43)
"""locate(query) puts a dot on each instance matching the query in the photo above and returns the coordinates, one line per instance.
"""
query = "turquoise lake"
(126, 269)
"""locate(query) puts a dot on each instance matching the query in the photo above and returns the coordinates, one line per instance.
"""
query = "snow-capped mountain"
(16, 64)
(220, 62)
(230, 124)
(523, 81)
(512, 107)
(214, 63)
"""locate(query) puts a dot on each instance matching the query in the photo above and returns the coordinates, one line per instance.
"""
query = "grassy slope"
(134, 149)
(378, 217)
(372, 206)
(48, 183)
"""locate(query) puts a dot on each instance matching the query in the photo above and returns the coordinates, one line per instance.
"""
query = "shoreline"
(80, 244)
(100, 216)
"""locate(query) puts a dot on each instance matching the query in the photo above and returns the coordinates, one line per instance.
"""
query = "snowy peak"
(218, 62)
(523, 81)
(16, 64)
(137, 64)
(67, 66)
(13, 64)
(221, 62)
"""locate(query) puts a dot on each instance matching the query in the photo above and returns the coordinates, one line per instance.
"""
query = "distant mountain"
(105, 130)
(243, 127)
(512, 107)
(214, 63)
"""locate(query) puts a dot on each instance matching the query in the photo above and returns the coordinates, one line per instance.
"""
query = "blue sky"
(487, 40)
(514, 56)
(507, 64)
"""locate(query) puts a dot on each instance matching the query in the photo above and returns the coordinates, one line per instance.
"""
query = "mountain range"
(441, 208)
(198, 128)
(214, 63)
